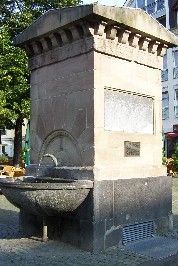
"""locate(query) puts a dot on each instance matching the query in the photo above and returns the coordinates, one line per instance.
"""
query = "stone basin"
(46, 196)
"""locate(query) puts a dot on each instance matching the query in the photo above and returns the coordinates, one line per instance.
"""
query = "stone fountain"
(96, 135)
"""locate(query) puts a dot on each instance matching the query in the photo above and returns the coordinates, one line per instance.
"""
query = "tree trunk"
(18, 142)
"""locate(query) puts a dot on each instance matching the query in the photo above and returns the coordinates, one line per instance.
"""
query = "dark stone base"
(30, 225)
(97, 224)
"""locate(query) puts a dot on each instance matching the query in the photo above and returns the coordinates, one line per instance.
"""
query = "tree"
(18, 14)
(14, 89)
(15, 16)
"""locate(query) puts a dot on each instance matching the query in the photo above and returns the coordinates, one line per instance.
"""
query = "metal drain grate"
(137, 232)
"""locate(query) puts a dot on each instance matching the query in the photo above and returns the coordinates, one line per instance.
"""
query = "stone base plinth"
(112, 204)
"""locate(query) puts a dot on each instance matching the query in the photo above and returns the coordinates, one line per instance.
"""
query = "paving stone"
(18, 251)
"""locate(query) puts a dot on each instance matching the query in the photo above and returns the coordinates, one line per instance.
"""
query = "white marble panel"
(128, 112)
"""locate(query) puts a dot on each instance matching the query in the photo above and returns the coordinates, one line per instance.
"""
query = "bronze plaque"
(131, 149)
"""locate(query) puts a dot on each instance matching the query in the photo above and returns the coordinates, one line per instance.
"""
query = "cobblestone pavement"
(18, 251)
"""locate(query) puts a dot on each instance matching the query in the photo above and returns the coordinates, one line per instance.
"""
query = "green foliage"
(3, 158)
(164, 159)
(23, 154)
(15, 16)
(14, 81)
(19, 14)
(175, 158)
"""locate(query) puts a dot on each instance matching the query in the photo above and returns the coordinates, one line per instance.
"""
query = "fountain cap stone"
(135, 20)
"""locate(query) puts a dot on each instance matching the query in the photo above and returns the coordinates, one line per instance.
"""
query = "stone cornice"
(61, 53)
(101, 36)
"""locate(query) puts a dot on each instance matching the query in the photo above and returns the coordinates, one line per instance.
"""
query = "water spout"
(52, 157)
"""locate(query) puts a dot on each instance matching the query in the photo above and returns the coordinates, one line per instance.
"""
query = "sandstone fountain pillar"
(96, 106)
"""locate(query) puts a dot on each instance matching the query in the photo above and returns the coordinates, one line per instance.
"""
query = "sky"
(106, 2)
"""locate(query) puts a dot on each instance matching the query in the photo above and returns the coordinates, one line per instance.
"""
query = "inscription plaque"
(131, 149)
(128, 112)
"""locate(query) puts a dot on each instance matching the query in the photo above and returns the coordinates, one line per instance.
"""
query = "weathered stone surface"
(61, 17)
(46, 196)
(78, 56)
(63, 40)
(129, 201)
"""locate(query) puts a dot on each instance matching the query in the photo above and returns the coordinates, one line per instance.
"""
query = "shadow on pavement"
(170, 261)
(9, 224)
(175, 221)
(9, 217)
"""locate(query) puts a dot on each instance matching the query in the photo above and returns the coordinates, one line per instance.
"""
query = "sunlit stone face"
(128, 112)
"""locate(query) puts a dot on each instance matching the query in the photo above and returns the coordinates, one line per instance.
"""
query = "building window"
(165, 105)
(3, 130)
(160, 4)
(175, 58)
(165, 61)
(164, 72)
(174, 14)
(176, 101)
(151, 4)
(140, 3)
(164, 75)
(162, 20)
(175, 69)
(156, 5)
(175, 72)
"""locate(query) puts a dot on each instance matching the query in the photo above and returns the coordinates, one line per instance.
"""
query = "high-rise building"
(166, 13)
